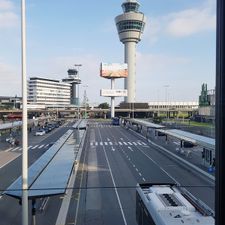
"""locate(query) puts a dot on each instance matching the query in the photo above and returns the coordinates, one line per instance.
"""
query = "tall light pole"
(78, 89)
(85, 101)
(24, 126)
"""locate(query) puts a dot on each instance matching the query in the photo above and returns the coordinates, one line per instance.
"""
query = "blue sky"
(177, 47)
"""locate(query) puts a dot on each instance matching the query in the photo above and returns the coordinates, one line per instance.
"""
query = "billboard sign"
(114, 70)
(113, 93)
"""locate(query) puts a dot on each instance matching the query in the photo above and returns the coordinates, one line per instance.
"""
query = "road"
(11, 170)
(112, 162)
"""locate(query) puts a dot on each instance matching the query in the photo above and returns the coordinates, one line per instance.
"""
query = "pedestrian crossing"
(120, 143)
(101, 125)
(31, 147)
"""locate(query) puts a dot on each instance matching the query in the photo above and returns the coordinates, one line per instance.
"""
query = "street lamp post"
(24, 126)
(85, 101)
(78, 91)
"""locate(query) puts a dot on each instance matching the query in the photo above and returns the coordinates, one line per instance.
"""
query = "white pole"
(130, 81)
(24, 126)
(112, 99)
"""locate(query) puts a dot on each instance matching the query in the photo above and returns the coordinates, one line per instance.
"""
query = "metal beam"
(220, 115)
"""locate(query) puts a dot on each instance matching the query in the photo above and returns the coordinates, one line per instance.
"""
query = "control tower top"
(130, 25)
(130, 6)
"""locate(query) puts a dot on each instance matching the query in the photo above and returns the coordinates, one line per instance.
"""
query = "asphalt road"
(113, 162)
(10, 210)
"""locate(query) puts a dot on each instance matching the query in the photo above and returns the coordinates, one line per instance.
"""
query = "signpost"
(112, 71)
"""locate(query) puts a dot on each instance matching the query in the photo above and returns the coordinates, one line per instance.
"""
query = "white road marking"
(96, 143)
(139, 143)
(143, 179)
(114, 184)
(8, 150)
(91, 143)
(17, 148)
(106, 143)
(30, 146)
(136, 169)
(35, 146)
(135, 143)
(131, 149)
(108, 139)
(120, 143)
(101, 143)
(110, 143)
(41, 146)
(143, 143)
(140, 174)
(129, 143)
(124, 143)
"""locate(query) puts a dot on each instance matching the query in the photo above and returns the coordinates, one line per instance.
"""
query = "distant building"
(74, 80)
(207, 101)
(173, 105)
(42, 91)
(10, 102)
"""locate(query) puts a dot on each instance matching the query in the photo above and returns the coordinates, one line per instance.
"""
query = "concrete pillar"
(130, 81)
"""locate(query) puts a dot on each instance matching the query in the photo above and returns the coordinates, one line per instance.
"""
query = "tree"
(104, 105)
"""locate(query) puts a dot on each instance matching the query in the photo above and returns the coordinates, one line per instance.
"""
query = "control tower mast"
(74, 80)
(130, 26)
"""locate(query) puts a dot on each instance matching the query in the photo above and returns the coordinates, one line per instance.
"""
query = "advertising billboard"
(113, 93)
(113, 70)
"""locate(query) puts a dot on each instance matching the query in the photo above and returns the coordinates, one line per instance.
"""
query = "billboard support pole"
(112, 98)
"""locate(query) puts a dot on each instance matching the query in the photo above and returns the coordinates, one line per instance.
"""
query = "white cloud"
(6, 5)
(10, 79)
(191, 21)
(183, 23)
(8, 18)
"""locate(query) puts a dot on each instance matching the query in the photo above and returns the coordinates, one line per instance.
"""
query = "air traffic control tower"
(130, 26)
(74, 80)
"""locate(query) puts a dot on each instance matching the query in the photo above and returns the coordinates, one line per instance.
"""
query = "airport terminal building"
(42, 91)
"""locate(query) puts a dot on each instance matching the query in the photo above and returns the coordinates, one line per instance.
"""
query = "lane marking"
(15, 149)
(8, 150)
(114, 184)
(131, 149)
(35, 146)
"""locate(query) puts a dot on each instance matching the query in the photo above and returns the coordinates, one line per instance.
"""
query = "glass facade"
(130, 7)
(130, 25)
